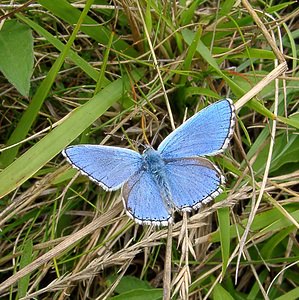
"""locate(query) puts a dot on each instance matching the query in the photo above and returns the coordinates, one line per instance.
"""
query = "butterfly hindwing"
(193, 181)
(143, 201)
(108, 166)
(206, 133)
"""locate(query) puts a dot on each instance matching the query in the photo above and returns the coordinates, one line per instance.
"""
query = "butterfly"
(175, 177)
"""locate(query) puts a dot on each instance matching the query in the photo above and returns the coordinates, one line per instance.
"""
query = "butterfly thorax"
(153, 162)
(155, 165)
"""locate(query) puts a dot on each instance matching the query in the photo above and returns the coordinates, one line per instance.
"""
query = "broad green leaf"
(249, 53)
(190, 54)
(292, 90)
(188, 13)
(129, 283)
(220, 293)
(140, 294)
(255, 291)
(16, 55)
(52, 144)
(270, 245)
(249, 80)
(226, 7)
(148, 17)
(292, 121)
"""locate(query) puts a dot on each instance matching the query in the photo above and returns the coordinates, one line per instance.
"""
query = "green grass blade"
(79, 61)
(206, 55)
(220, 293)
(76, 122)
(291, 295)
(101, 34)
(224, 231)
(32, 111)
(26, 259)
(190, 54)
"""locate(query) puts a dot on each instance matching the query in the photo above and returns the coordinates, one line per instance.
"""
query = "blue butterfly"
(175, 177)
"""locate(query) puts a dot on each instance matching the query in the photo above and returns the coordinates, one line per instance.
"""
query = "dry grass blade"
(134, 73)
(61, 247)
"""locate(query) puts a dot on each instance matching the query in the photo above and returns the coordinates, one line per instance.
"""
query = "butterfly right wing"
(110, 167)
(143, 201)
(208, 132)
(193, 181)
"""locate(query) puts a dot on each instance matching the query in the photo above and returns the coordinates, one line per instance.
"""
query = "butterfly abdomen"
(155, 165)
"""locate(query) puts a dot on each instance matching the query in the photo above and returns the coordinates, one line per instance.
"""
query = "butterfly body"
(176, 176)
(153, 162)
(155, 166)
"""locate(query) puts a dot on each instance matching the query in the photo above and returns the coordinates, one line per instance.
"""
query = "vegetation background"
(108, 72)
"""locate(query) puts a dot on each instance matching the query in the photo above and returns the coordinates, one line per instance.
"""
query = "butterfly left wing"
(193, 181)
(109, 167)
(206, 133)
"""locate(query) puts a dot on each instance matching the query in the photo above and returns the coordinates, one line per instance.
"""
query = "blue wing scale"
(193, 181)
(143, 201)
(109, 167)
(206, 133)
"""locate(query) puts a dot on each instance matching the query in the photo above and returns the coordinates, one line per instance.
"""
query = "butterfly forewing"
(108, 166)
(206, 133)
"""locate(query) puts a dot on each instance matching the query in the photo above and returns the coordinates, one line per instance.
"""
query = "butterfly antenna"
(143, 126)
(156, 134)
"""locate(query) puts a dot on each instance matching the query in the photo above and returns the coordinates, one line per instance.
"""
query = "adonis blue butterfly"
(175, 177)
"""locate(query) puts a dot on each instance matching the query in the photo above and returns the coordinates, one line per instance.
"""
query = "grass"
(91, 72)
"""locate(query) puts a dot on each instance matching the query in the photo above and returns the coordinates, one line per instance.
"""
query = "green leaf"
(275, 8)
(190, 54)
(256, 289)
(141, 294)
(249, 53)
(272, 244)
(219, 293)
(290, 121)
(226, 7)
(26, 259)
(291, 295)
(224, 224)
(194, 90)
(285, 151)
(129, 283)
(188, 12)
(265, 222)
(16, 55)
(72, 126)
